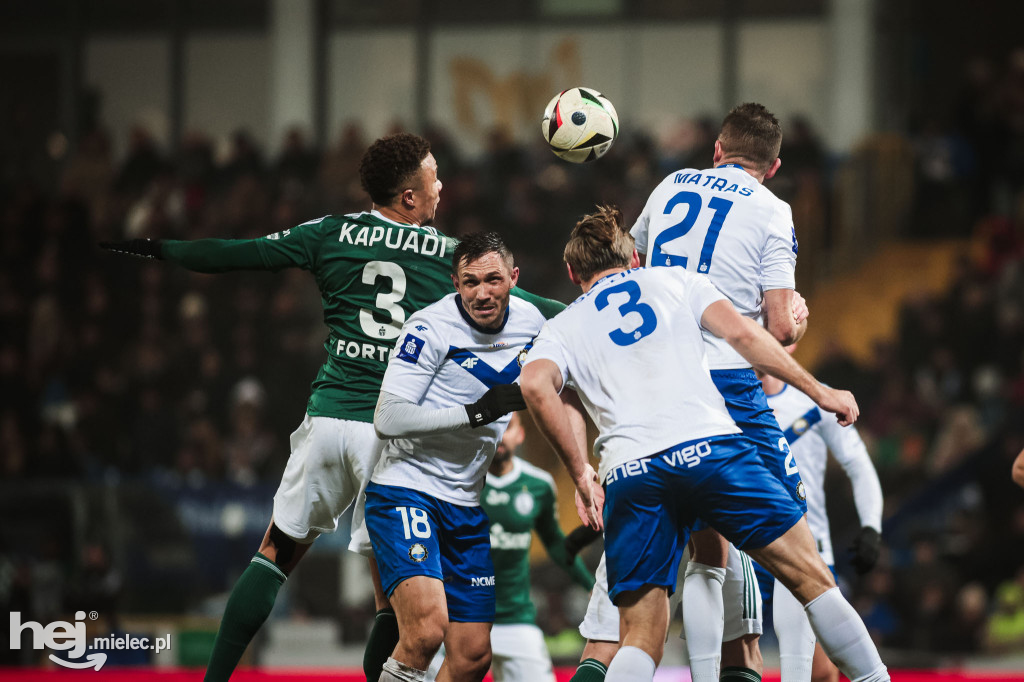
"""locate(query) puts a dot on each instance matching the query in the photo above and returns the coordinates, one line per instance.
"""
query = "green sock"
(735, 673)
(590, 670)
(250, 603)
(381, 643)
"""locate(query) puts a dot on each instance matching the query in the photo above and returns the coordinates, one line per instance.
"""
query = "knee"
(743, 651)
(471, 661)
(426, 635)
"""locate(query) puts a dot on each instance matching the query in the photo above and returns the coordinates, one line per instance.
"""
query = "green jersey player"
(520, 498)
(374, 269)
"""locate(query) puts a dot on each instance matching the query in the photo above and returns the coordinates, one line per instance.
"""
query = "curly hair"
(751, 132)
(599, 242)
(389, 165)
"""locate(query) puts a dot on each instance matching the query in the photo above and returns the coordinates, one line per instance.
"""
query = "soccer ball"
(580, 124)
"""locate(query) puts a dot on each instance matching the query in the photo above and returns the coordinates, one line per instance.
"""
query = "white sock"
(796, 638)
(844, 637)
(703, 620)
(631, 664)
(395, 671)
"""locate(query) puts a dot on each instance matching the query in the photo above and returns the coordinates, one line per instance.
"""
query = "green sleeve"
(550, 533)
(547, 306)
(289, 249)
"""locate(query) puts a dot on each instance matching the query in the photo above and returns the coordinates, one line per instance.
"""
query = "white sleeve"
(778, 260)
(397, 417)
(547, 347)
(417, 357)
(700, 293)
(846, 446)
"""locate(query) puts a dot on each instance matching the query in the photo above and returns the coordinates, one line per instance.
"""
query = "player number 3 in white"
(418, 524)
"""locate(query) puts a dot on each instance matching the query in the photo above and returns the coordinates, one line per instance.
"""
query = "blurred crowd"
(116, 368)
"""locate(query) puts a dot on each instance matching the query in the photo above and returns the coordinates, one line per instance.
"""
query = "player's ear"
(409, 198)
(634, 260)
(773, 169)
(514, 275)
(572, 276)
(717, 159)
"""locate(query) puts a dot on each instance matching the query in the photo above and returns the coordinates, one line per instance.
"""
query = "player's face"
(511, 440)
(484, 285)
(428, 194)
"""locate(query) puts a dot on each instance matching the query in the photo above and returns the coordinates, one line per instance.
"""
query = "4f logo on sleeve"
(410, 349)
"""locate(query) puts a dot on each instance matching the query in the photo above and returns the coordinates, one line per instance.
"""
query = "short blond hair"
(599, 242)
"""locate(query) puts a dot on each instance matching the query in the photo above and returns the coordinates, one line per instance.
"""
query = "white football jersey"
(632, 348)
(813, 433)
(442, 360)
(721, 222)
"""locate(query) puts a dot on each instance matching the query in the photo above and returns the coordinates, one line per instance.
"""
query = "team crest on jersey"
(410, 349)
(418, 553)
(521, 358)
(800, 491)
(523, 503)
(800, 426)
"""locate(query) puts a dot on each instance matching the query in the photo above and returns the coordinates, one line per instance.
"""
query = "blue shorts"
(650, 504)
(748, 407)
(416, 534)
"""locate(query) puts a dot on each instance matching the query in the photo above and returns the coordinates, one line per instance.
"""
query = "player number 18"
(414, 521)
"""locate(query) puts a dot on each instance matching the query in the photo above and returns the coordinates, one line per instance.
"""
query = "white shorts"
(518, 654)
(602, 620)
(330, 464)
(741, 597)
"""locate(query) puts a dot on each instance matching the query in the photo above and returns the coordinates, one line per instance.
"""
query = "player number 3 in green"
(418, 524)
(386, 301)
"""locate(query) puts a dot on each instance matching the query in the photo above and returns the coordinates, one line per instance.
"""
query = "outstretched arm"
(765, 353)
(294, 248)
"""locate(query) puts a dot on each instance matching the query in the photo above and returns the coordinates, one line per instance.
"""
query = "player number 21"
(693, 202)
(414, 521)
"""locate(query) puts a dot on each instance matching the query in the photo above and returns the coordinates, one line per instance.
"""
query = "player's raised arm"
(766, 355)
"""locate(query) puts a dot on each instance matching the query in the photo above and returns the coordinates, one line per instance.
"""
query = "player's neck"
(599, 276)
(733, 161)
(396, 215)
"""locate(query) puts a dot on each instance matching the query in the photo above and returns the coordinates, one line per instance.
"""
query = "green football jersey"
(518, 503)
(373, 273)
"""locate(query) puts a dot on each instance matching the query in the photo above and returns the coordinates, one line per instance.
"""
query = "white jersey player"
(632, 348)
(723, 223)
(444, 403)
(812, 435)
